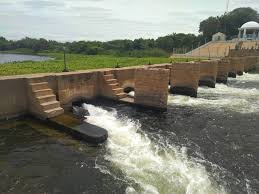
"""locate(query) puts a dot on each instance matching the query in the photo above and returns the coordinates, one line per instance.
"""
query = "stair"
(43, 101)
(113, 84)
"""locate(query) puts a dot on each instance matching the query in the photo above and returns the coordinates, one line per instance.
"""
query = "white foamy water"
(154, 168)
(224, 97)
(132, 94)
(246, 77)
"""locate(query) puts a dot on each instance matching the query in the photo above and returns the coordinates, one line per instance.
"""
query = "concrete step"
(117, 90)
(114, 86)
(121, 95)
(47, 98)
(43, 92)
(54, 112)
(50, 105)
(39, 86)
(112, 81)
(107, 72)
(108, 76)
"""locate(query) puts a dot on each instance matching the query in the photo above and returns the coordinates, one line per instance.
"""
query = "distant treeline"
(162, 46)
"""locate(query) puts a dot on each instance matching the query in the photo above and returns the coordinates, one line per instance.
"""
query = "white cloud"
(106, 19)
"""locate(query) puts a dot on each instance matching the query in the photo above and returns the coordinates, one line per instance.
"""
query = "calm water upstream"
(9, 58)
(204, 145)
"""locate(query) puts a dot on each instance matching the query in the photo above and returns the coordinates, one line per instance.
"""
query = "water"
(204, 145)
(9, 58)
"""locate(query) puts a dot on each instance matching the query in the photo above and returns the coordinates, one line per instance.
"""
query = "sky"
(73, 20)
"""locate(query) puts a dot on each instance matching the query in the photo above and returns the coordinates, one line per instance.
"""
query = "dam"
(173, 140)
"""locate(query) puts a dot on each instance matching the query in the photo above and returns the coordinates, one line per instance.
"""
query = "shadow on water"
(37, 159)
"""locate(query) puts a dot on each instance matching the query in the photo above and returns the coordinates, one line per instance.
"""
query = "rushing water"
(9, 58)
(208, 144)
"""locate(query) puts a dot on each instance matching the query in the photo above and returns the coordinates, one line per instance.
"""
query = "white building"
(219, 37)
(249, 31)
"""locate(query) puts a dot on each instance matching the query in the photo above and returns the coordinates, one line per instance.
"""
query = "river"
(199, 145)
(10, 58)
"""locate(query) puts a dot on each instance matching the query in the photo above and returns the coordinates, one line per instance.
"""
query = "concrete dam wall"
(47, 95)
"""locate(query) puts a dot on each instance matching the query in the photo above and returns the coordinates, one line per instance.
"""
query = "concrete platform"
(80, 130)
(128, 100)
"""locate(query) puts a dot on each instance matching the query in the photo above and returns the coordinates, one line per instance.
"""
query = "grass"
(76, 62)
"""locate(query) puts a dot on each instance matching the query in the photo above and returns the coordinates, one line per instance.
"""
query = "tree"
(228, 23)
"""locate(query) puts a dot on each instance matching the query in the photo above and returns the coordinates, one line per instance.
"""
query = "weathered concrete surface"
(184, 78)
(75, 86)
(151, 87)
(247, 56)
(14, 99)
(80, 130)
(68, 87)
(223, 70)
(237, 64)
(232, 69)
(42, 100)
(125, 77)
(208, 73)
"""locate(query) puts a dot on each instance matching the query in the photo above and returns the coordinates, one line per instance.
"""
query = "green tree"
(228, 23)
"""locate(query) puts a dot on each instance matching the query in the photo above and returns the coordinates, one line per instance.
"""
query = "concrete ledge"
(83, 131)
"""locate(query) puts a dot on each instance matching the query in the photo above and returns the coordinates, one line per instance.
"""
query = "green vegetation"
(228, 23)
(77, 62)
(161, 47)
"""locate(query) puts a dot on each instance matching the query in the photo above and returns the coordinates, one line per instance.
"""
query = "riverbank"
(78, 62)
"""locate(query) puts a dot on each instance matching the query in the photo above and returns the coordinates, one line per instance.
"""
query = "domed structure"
(250, 25)
(249, 31)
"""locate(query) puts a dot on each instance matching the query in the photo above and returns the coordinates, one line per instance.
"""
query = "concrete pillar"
(208, 73)
(250, 63)
(238, 65)
(223, 69)
(151, 87)
(239, 34)
(232, 69)
(246, 64)
(257, 63)
(254, 35)
(244, 35)
(184, 79)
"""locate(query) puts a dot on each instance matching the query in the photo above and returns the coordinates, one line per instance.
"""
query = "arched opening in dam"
(130, 90)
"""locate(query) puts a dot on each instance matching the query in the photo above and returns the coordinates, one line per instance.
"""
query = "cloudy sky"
(67, 20)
